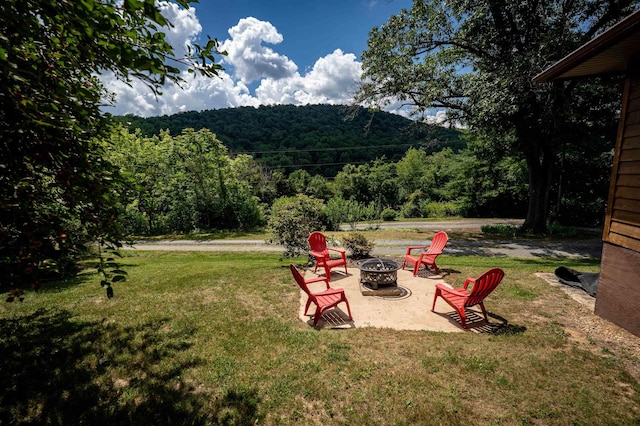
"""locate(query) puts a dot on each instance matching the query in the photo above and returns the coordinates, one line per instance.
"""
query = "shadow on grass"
(589, 248)
(477, 324)
(58, 370)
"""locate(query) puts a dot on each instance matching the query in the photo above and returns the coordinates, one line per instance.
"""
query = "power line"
(346, 148)
(319, 164)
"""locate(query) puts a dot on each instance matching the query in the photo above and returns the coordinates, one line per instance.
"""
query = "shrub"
(293, 219)
(413, 206)
(340, 210)
(501, 230)
(357, 244)
(561, 230)
(448, 209)
(388, 215)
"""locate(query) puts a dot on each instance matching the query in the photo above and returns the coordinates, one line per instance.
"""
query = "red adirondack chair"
(428, 255)
(462, 298)
(323, 300)
(319, 250)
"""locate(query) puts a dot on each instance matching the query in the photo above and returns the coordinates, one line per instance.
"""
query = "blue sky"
(280, 52)
(310, 29)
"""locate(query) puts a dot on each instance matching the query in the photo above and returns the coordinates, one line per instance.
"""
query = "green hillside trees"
(186, 183)
(57, 192)
(477, 59)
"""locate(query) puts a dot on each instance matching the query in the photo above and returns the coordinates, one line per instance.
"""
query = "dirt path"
(524, 249)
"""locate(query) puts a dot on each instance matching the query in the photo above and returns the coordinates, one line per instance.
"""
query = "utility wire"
(320, 164)
(324, 149)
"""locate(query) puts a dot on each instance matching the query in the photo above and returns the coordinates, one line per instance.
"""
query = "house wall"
(618, 298)
(622, 223)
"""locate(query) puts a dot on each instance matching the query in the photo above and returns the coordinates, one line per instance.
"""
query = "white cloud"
(185, 27)
(439, 118)
(331, 80)
(250, 59)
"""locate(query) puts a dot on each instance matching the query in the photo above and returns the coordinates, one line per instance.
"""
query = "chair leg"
(463, 317)
(317, 315)
(327, 272)
(484, 312)
(306, 308)
(416, 268)
(435, 296)
(348, 308)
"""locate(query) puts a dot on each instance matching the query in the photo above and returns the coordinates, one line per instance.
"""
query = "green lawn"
(214, 338)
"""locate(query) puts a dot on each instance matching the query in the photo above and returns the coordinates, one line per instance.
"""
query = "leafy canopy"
(477, 58)
(56, 190)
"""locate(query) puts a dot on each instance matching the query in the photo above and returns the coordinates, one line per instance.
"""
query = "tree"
(56, 190)
(477, 60)
(291, 221)
(204, 170)
(144, 161)
(186, 182)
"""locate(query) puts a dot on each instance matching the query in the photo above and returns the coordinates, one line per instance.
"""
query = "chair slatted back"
(484, 285)
(438, 242)
(318, 242)
(299, 279)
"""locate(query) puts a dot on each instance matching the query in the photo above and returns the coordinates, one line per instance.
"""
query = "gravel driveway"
(519, 249)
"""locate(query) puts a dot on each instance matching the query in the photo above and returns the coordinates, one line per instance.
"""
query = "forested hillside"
(320, 139)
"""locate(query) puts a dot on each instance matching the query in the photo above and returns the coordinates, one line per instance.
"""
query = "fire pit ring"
(376, 272)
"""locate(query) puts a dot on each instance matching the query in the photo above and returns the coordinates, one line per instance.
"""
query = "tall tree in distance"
(477, 59)
(57, 192)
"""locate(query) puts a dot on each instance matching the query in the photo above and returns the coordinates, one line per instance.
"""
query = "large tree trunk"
(540, 164)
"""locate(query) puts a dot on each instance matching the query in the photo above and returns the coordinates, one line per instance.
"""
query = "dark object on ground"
(587, 281)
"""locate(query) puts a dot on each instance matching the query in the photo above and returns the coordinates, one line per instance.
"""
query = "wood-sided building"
(616, 50)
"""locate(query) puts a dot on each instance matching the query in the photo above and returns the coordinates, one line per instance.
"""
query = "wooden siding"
(622, 224)
(618, 297)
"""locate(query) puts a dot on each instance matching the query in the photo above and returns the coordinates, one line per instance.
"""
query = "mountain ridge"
(318, 138)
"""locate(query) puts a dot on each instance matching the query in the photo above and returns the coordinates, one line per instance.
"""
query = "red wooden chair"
(462, 298)
(428, 255)
(319, 250)
(323, 300)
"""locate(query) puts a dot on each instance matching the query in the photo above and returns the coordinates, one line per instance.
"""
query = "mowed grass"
(214, 338)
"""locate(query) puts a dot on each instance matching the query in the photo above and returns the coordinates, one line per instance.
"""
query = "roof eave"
(616, 34)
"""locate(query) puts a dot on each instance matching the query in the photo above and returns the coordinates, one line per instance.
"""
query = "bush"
(340, 211)
(413, 206)
(388, 215)
(293, 219)
(561, 230)
(357, 244)
(448, 209)
(500, 230)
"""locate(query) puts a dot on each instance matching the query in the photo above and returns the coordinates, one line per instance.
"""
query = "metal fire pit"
(376, 272)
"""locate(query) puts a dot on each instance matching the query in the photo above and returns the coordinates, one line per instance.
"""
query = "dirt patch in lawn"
(591, 331)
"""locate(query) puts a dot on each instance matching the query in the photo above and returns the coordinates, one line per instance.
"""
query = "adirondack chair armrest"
(410, 248)
(318, 254)
(337, 250)
(329, 292)
(456, 291)
(469, 281)
(429, 252)
(316, 280)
